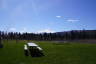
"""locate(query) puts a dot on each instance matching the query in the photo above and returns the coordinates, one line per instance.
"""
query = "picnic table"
(34, 50)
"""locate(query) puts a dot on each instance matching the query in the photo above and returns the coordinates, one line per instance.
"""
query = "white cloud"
(12, 29)
(58, 16)
(46, 31)
(72, 20)
(23, 30)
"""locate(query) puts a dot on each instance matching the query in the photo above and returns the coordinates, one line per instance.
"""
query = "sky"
(47, 15)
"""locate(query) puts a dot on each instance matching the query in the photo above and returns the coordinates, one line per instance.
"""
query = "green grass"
(55, 53)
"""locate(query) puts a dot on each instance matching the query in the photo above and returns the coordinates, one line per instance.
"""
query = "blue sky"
(47, 15)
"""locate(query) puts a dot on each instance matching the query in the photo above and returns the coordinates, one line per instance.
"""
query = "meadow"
(55, 53)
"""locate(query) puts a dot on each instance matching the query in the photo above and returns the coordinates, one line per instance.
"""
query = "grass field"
(55, 53)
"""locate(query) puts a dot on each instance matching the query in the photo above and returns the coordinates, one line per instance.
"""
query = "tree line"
(66, 35)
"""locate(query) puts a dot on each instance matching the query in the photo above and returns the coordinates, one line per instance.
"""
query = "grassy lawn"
(72, 53)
